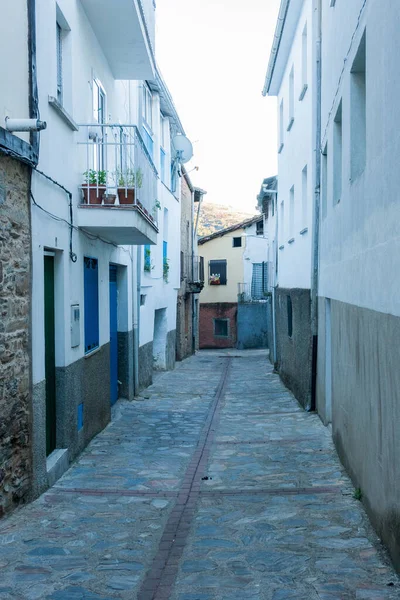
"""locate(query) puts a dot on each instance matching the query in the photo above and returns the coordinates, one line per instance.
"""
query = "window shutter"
(91, 298)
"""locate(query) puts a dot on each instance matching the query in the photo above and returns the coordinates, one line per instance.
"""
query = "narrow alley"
(217, 485)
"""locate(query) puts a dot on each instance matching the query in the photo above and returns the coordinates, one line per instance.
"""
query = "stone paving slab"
(307, 547)
(235, 499)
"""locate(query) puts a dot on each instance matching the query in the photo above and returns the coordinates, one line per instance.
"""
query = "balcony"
(252, 293)
(118, 194)
(195, 281)
(125, 32)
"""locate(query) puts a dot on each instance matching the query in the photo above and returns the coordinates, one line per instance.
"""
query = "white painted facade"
(104, 80)
(14, 92)
(360, 244)
(255, 250)
(291, 83)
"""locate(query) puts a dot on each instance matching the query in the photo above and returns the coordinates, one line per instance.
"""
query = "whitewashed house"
(359, 305)
(104, 204)
(290, 77)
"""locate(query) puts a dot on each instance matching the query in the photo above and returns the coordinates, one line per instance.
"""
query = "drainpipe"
(193, 295)
(276, 281)
(135, 321)
(316, 213)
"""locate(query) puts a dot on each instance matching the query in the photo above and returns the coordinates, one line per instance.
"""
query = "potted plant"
(215, 279)
(94, 187)
(127, 182)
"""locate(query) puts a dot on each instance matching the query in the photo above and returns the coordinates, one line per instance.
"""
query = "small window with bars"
(217, 272)
(237, 242)
(260, 228)
(221, 328)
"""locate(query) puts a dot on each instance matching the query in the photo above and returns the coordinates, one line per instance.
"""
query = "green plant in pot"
(165, 269)
(127, 181)
(94, 186)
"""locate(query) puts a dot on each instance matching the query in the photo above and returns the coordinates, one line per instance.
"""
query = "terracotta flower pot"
(126, 196)
(109, 198)
(92, 194)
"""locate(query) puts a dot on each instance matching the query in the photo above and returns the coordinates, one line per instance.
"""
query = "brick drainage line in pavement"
(161, 576)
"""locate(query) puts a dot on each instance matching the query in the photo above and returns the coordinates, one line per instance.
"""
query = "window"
(358, 100)
(147, 107)
(91, 300)
(182, 266)
(304, 58)
(217, 272)
(304, 198)
(259, 281)
(162, 165)
(291, 213)
(337, 155)
(324, 182)
(221, 327)
(237, 242)
(291, 99)
(280, 127)
(147, 120)
(59, 64)
(99, 114)
(281, 222)
(163, 130)
(289, 316)
(260, 227)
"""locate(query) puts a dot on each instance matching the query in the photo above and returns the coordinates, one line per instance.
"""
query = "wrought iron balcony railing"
(118, 169)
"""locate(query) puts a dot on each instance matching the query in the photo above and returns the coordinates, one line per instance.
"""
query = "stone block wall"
(15, 361)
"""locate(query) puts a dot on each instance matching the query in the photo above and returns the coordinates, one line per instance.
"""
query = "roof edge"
(221, 232)
(283, 10)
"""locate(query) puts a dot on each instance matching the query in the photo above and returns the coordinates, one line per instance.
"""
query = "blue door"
(113, 334)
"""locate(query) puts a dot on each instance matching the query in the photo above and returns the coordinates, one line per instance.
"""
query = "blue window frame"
(165, 250)
(91, 300)
(162, 165)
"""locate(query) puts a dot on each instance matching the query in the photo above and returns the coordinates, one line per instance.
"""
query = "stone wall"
(294, 352)
(15, 362)
(184, 325)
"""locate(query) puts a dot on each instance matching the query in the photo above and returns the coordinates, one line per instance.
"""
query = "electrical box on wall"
(75, 325)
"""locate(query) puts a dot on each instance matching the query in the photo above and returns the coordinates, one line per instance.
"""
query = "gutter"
(276, 44)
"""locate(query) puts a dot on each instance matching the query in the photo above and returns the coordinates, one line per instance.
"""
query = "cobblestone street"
(217, 485)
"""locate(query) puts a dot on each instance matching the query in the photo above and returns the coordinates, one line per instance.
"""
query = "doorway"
(50, 352)
(113, 335)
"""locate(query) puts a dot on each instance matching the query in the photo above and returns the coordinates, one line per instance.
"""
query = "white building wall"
(360, 245)
(256, 250)
(61, 159)
(296, 153)
(14, 73)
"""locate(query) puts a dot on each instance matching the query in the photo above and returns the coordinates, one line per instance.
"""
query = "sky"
(213, 55)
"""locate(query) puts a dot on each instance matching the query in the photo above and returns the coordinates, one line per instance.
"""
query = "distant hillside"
(214, 217)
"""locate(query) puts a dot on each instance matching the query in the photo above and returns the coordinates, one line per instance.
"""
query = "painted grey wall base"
(85, 381)
(366, 409)
(252, 325)
(125, 365)
(170, 350)
(145, 365)
(39, 482)
(294, 354)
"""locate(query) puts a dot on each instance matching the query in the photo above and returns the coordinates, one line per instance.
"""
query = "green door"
(50, 354)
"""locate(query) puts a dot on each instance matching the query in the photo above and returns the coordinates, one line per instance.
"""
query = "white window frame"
(291, 99)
